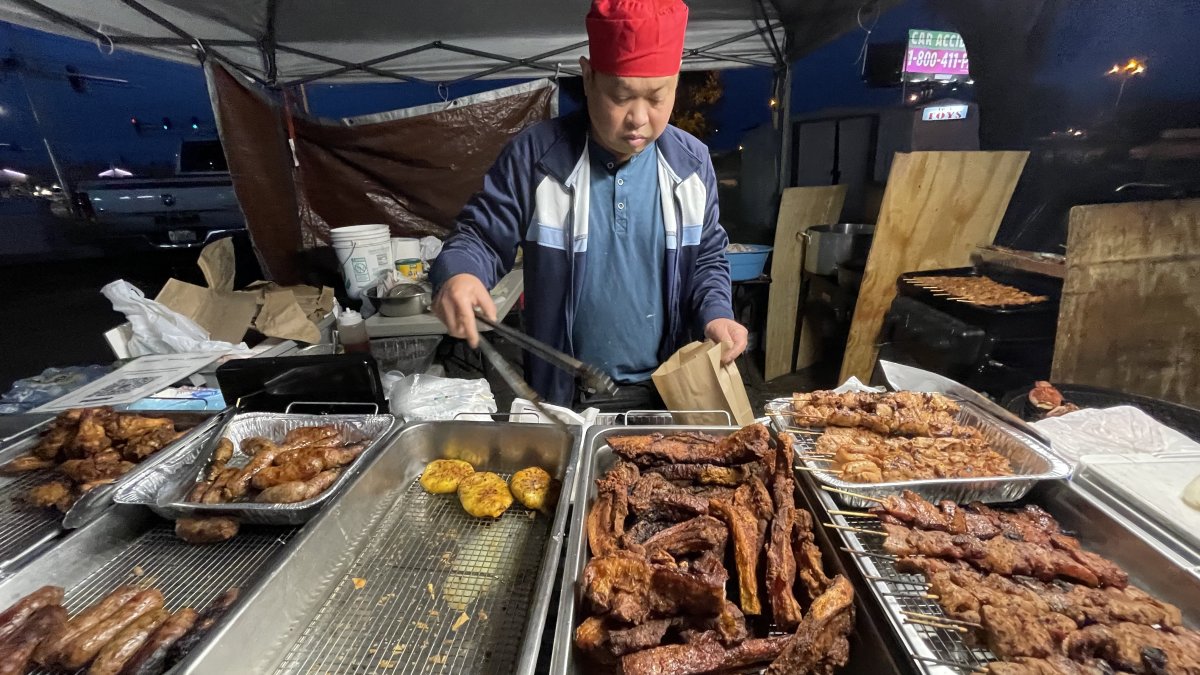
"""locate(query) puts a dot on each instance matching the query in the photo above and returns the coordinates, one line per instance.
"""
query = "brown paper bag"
(694, 379)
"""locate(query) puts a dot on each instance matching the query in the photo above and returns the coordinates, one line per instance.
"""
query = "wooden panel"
(799, 209)
(1130, 314)
(937, 208)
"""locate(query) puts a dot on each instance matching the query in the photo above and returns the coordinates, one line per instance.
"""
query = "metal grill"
(898, 592)
(401, 605)
(24, 527)
(187, 574)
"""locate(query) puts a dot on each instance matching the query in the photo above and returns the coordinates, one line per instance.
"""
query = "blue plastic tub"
(747, 265)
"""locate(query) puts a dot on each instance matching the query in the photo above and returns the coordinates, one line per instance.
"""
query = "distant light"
(772, 102)
(1078, 133)
(969, 81)
(3, 111)
(912, 97)
(741, 148)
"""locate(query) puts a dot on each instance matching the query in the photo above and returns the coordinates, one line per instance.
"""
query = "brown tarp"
(413, 170)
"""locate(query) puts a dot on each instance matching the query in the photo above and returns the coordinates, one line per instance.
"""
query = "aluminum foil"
(165, 488)
(1031, 462)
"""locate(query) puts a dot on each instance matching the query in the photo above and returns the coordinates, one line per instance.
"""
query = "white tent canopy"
(293, 41)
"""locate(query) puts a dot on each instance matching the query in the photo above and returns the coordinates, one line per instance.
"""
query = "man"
(617, 215)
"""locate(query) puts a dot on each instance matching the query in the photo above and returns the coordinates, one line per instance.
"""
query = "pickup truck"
(191, 209)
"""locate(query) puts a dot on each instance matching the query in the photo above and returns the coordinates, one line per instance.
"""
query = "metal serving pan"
(1151, 567)
(165, 488)
(871, 653)
(1031, 462)
(24, 529)
(130, 545)
(379, 580)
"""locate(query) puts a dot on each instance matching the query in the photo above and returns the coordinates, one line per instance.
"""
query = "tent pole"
(267, 44)
(347, 66)
(37, 121)
(59, 17)
(149, 14)
(785, 129)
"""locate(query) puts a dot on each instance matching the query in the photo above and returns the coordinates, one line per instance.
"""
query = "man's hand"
(456, 302)
(727, 330)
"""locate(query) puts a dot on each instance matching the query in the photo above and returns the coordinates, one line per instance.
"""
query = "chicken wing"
(90, 437)
(124, 427)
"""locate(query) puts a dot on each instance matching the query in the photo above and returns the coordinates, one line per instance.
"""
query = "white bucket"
(364, 253)
(405, 248)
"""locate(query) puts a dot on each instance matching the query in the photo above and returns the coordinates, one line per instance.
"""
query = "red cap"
(637, 38)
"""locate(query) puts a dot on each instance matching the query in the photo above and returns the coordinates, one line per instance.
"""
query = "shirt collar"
(609, 161)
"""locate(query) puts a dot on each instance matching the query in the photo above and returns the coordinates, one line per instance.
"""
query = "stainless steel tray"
(165, 488)
(1150, 566)
(24, 529)
(1030, 459)
(129, 545)
(1156, 506)
(870, 653)
(420, 562)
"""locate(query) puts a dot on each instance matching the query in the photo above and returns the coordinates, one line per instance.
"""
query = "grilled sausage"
(15, 617)
(220, 458)
(239, 485)
(80, 651)
(113, 656)
(151, 659)
(305, 467)
(206, 530)
(50, 651)
(297, 491)
(18, 648)
(25, 463)
(204, 623)
(216, 493)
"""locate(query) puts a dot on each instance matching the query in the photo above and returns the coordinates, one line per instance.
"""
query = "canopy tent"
(288, 42)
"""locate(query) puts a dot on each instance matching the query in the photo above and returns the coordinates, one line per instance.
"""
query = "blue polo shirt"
(620, 321)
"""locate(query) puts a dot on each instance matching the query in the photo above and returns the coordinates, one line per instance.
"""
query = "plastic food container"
(747, 264)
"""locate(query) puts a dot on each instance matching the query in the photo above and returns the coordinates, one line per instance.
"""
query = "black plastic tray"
(1023, 321)
(1179, 417)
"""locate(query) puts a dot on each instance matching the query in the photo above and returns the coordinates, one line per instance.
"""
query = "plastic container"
(352, 332)
(409, 355)
(747, 265)
(364, 252)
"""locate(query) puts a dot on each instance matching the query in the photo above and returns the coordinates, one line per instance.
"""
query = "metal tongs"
(592, 377)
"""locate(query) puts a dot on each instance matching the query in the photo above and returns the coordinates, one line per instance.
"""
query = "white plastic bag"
(158, 329)
(421, 398)
(430, 248)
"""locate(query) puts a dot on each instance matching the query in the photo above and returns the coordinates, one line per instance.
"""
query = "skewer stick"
(868, 554)
(951, 664)
(854, 514)
(852, 494)
(943, 619)
(920, 596)
(835, 472)
(814, 458)
(899, 582)
(935, 624)
(855, 529)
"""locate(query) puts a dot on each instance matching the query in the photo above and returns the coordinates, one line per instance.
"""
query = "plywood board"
(799, 209)
(1130, 313)
(937, 208)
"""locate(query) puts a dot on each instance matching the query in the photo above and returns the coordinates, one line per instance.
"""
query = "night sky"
(94, 128)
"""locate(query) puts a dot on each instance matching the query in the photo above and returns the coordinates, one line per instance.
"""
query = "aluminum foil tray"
(24, 529)
(390, 579)
(939, 651)
(1031, 461)
(165, 488)
(129, 545)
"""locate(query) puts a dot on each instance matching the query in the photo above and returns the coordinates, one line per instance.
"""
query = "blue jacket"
(536, 196)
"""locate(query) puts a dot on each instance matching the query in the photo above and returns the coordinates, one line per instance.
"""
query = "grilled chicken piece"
(142, 446)
(819, 644)
(55, 494)
(124, 427)
(741, 517)
(745, 445)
